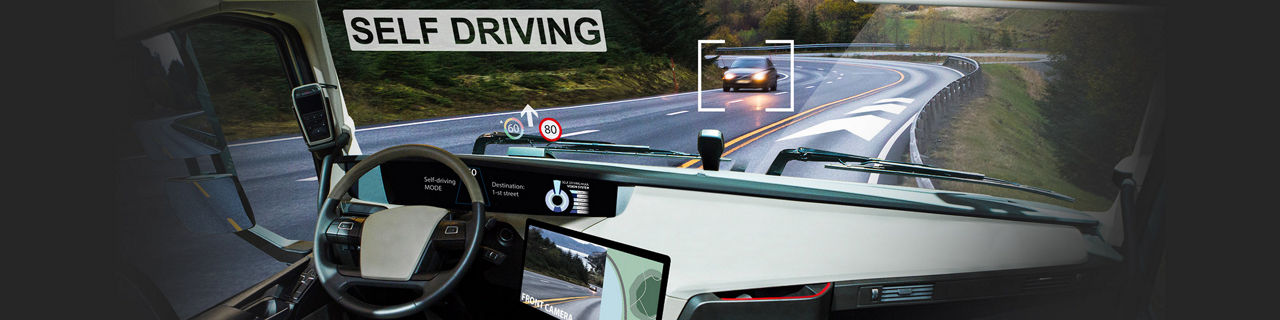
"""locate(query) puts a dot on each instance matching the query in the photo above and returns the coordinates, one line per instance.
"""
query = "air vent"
(1049, 282)
(902, 293)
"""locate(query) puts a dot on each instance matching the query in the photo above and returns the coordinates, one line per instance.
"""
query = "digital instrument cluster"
(414, 182)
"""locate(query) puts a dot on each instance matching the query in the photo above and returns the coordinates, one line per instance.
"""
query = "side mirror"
(315, 116)
(710, 148)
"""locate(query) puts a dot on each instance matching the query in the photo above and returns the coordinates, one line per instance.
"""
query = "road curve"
(826, 89)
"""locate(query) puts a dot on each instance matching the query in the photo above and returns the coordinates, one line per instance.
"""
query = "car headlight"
(729, 76)
(759, 76)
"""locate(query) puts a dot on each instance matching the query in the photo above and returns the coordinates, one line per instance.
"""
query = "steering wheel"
(394, 242)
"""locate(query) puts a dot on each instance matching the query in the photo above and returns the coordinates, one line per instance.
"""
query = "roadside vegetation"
(999, 133)
(1065, 129)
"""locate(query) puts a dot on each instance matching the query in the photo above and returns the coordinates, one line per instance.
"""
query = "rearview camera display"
(573, 276)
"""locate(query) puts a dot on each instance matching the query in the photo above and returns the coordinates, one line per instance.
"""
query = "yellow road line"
(233, 224)
(801, 116)
(552, 304)
(206, 194)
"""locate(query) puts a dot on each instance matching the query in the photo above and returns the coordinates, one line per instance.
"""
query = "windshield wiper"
(876, 165)
(575, 146)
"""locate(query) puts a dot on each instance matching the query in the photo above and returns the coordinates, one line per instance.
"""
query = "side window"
(222, 187)
(247, 80)
(249, 87)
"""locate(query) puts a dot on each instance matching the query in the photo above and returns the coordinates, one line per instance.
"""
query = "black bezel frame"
(608, 244)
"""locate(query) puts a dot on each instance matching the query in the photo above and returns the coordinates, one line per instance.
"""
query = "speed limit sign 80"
(550, 129)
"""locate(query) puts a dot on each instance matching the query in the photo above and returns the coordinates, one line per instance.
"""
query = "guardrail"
(819, 46)
(932, 116)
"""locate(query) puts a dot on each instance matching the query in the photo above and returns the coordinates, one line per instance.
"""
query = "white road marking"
(890, 108)
(477, 116)
(899, 100)
(884, 152)
(739, 100)
(677, 112)
(819, 69)
(307, 179)
(839, 78)
(808, 87)
(778, 93)
(865, 127)
(241, 144)
(578, 133)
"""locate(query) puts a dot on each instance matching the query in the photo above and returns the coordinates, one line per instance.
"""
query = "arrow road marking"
(890, 108)
(865, 127)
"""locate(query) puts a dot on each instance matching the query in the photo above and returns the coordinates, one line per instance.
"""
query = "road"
(847, 105)
(573, 299)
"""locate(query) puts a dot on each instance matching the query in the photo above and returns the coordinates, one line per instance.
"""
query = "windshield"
(748, 63)
(1050, 99)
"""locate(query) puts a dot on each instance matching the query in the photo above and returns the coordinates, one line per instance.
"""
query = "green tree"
(775, 21)
(730, 38)
(930, 32)
(846, 16)
(791, 29)
(812, 31)
(893, 29)
(669, 28)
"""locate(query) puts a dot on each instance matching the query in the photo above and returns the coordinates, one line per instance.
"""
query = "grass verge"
(998, 134)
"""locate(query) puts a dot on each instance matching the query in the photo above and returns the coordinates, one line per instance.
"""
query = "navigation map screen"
(574, 276)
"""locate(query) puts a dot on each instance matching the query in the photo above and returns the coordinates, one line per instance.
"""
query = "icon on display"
(550, 129)
(557, 199)
(528, 113)
(513, 128)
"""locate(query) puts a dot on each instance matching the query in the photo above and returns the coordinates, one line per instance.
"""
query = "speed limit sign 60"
(550, 129)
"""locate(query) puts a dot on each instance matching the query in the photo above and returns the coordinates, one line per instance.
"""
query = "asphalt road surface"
(853, 106)
(845, 105)
(576, 300)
